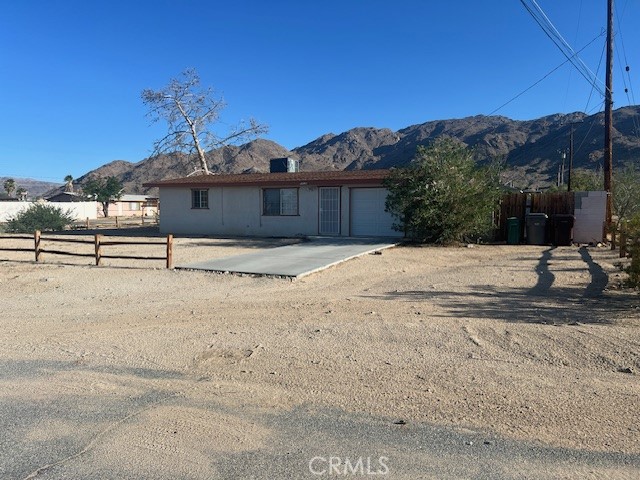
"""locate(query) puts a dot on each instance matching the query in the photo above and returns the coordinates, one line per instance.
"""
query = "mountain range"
(531, 149)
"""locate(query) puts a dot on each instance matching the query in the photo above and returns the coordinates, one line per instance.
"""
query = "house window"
(199, 198)
(134, 205)
(280, 201)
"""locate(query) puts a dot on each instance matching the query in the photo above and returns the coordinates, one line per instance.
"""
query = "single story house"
(338, 203)
(66, 197)
(130, 205)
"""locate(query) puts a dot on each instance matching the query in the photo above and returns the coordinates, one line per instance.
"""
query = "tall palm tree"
(68, 186)
(10, 186)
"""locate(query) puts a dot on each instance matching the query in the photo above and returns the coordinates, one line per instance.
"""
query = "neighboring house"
(66, 197)
(339, 203)
(132, 206)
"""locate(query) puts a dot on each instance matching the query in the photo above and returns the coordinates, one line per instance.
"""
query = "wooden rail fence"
(116, 222)
(622, 240)
(98, 242)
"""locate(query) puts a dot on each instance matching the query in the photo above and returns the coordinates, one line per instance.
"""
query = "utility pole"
(608, 116)
(570, 158)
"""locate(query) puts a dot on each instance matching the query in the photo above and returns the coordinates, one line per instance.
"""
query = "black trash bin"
(536, 228)
(563, 229)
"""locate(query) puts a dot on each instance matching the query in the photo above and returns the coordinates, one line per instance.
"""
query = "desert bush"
(443, 196)
(633, 233)
(39, 217)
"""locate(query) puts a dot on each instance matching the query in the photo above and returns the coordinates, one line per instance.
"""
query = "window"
(280, 201)
(199, 198)
(134, 205)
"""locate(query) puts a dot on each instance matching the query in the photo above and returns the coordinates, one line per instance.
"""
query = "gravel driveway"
(487, 362)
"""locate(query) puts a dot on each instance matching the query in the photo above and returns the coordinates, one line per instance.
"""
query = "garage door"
(368, 217)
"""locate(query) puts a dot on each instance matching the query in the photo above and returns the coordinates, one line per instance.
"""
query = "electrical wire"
(543, 78)
(575, 41)
(628, 87)
(550, 30)
(604, 47)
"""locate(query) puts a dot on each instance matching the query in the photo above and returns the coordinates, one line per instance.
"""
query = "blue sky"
(71, 72)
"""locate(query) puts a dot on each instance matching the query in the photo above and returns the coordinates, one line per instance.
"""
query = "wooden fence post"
(142, 218)
(623, 239)
(36, 239)
(613, 238)
(117, 223)
(97, 238)
(169, 251)
(87, 223)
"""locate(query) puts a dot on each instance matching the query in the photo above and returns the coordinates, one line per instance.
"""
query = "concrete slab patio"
(296, 260)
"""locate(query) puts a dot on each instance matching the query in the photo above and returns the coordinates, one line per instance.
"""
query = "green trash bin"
(513, 231)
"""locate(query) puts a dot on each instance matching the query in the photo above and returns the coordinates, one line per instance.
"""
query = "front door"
(329, 211)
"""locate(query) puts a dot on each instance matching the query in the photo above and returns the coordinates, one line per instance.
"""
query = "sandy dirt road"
(488, 362)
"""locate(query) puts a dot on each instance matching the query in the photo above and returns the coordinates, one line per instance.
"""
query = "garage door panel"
(368, 216)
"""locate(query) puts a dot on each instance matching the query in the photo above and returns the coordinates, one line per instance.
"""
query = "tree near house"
(443, 196)
(10, 186)
(103, 190)
(21, 193)
(191, 113)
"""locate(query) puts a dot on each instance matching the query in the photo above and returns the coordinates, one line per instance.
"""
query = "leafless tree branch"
(190, 113)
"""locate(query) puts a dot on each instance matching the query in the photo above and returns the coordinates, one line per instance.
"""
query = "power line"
(543, 78)
(628, 87)
(554, 35)
(575, 41)
(604, 46)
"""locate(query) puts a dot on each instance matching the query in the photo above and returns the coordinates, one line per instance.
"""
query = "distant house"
(132, 206)
(66, 197)
(338, 203)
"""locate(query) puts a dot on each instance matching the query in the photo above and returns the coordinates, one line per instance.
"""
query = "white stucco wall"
(590, 212)
(79, 210)
(237, 211)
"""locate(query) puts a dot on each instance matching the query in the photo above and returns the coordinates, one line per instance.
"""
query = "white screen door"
(329, 211)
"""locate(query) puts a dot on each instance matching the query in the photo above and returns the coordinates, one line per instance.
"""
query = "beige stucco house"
(338, 203)
(131, 205)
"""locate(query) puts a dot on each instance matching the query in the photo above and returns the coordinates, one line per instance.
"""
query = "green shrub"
(443, 196)
(633, 232)
(39, 217)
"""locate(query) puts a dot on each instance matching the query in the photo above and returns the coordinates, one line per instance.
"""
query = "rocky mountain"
(531, 149)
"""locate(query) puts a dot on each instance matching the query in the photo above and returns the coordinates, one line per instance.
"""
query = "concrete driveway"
(296, 260)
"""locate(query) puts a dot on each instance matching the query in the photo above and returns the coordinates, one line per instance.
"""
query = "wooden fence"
(115, 222)
(98, 242)
(517, 204)
(623, 240)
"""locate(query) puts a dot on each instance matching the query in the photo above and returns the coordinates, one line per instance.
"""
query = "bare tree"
(191, 111)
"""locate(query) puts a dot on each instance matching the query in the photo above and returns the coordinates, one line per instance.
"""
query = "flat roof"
(336, 177)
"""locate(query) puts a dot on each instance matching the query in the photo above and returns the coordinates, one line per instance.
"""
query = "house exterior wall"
(237, 211)
(124, 209)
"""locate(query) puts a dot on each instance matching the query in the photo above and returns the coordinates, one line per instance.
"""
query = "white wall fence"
(591, 213)
(79, 210)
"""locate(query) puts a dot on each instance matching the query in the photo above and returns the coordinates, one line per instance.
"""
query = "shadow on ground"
(544, 303)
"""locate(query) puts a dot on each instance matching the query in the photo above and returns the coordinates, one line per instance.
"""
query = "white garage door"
(368, 217)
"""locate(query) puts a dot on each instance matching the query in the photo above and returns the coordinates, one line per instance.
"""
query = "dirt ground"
(137, 369)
